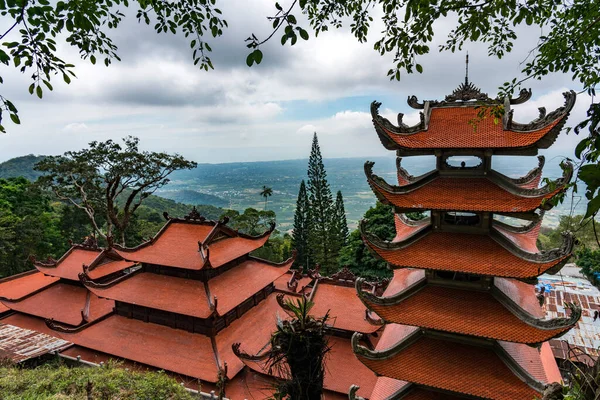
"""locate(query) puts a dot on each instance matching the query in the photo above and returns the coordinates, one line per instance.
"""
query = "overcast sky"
(267, 112)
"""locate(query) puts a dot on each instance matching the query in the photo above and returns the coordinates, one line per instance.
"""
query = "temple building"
(178, 303)
(462, 319)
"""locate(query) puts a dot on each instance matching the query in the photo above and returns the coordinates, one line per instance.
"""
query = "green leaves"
(254, 57)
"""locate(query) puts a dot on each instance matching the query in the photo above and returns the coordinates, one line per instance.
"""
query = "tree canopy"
(94, 179)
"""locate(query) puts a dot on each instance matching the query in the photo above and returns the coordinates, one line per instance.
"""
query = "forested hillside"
(34, 222)
(21, 166)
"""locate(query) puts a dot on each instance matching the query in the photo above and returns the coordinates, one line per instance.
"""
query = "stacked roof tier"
(461, 317)
(503, 251)
(489, 191)
(449, 125)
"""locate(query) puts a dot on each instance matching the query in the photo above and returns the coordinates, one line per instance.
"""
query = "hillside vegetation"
(21, 166)
(52, 381)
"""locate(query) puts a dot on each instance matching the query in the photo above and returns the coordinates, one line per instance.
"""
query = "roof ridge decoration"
(352, 393)
(404, 173)
(387, 244)
(543, 119)
(283, 263)
(413, 222)
(65, 328)
(415, 184)
(544, 256)
(505, 183)
(402, 128)
(194, 215)
(521, 229)
(48, 263)
(89, 282)
(466, 91)
(531, 175)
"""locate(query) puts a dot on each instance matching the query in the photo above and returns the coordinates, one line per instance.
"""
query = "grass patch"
(58, 381)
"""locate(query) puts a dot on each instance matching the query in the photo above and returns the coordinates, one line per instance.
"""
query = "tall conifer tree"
(320, 211)
(300, 233)
(340, 224)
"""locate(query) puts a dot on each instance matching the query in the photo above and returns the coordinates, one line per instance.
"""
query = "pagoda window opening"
(463, 163)
(461, 218)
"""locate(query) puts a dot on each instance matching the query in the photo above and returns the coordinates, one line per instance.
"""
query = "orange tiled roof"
(466, 312)
(29, 322)
(404, 230)
(462, 194)
(445, 251)
(254, 329)
(177, 246)
(523, 294)
(108, 268)
(402, 279)
(155, 345)
(525, 240)
(449, 128)
(63, 303)
(242, 281)
(21, 285)
(346, 311)
(423, 394)
(452, 366)
(162, 292)
(386, 387)
(282, 281)
(71, 264)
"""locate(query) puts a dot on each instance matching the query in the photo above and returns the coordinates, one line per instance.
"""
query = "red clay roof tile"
(253, 329)
(13, 288)
(177, 246)
(456, 367)
(445, 251)
(71, 264)
(63, 303)
(386, 387)
(525, 240)
(449, 127)
(29, 322)
(342, 369)
(465, 312)
(462, 194)
(109, 267)
(346, 311)
(155, 345)
(161, 292)
(241, 282)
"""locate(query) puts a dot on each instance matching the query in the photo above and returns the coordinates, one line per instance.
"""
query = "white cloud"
(76, 127)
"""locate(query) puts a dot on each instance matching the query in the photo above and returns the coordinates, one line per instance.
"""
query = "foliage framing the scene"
(30, 42)
(298, 350)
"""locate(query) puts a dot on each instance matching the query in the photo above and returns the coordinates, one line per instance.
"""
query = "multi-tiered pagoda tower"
(463, 319)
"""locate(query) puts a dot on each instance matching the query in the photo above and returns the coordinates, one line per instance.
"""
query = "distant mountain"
(238, 185)
(21, 166)
(193, 197)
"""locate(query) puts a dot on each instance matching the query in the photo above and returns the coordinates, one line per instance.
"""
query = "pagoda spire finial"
(467, 69)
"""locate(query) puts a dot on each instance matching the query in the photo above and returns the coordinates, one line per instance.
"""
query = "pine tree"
(300, 233)
(320, 211)
(340, 225)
